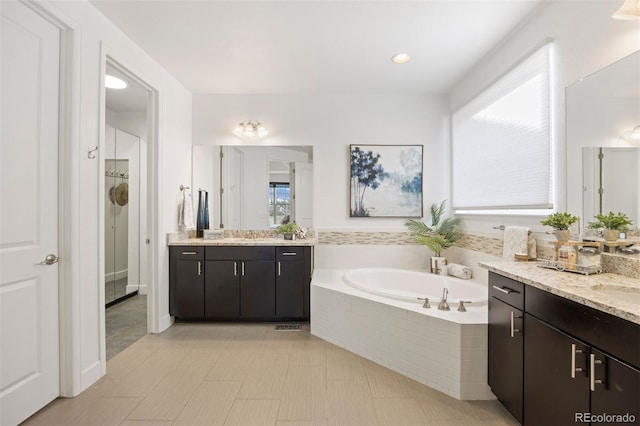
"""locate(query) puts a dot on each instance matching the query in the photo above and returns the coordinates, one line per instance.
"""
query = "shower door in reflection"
(122, 213)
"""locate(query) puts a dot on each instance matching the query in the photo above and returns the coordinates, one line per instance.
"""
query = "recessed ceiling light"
(400, 58)
(111, 82)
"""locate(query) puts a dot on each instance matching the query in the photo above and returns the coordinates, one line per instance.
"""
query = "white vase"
(438, 265)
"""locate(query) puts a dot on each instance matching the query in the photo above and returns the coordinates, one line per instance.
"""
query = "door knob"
(50, 259)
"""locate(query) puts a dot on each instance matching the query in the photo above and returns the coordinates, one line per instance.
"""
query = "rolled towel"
(460, 271)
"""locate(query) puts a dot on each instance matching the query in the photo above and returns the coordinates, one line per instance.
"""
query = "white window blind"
(502, 143)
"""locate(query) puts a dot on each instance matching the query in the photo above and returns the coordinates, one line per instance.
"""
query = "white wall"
(330, 123)
(586, 39)
(84, 354)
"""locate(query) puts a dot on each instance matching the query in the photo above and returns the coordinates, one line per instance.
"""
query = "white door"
(29, 357)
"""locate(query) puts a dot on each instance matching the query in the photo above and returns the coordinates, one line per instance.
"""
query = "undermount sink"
(618, 292)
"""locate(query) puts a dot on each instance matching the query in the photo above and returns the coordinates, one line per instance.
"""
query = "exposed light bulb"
(636, 133)
(262, 132)
(248, 130)
(112, 82)
(238, 130)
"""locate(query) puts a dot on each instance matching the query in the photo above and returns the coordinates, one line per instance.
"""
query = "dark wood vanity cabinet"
(261, 283)
(577, 361)
(187, 270)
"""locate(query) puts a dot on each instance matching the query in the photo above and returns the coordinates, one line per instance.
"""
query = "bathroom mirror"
(255, 187)
(602, 111)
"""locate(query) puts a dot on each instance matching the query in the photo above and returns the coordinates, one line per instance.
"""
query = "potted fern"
(612, 223)
(441, 235)
(288, 230)
(560, 221)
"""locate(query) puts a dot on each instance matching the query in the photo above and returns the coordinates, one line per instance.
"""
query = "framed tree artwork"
(386, 180)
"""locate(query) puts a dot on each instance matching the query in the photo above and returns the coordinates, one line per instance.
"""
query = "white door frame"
(109, 55)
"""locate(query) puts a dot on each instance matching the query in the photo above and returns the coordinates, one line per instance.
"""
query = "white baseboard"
(91, 374)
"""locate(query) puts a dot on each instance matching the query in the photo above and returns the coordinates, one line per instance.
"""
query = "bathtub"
(410, 285)
(374, 312)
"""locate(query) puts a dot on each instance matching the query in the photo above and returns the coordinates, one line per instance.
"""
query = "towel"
(185, 217)
(518, 239)
(460, 271)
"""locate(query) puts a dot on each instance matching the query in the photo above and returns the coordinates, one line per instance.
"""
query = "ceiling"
(326, 46)
(131, 99)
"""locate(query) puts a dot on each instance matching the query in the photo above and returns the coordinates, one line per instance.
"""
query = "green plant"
(560, 221)
(617, 221)
(442, 233)
(287, 228)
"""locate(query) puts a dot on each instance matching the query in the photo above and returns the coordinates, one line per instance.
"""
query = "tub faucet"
(443, 305)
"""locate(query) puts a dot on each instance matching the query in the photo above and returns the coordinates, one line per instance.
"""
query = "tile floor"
(126, 322)
(249, 374)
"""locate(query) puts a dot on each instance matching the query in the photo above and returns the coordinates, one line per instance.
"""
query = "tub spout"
(443, 305)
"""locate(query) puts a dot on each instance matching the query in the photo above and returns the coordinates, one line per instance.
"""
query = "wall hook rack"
(91, 154)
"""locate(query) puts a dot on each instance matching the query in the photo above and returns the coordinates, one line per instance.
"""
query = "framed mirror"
(602, 158)
(255, 187)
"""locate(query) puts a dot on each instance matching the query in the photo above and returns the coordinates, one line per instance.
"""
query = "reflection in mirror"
(602, 111)
(255, 187)
(611, 181)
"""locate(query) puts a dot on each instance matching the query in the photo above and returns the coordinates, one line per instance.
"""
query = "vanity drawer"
(240, 253)
(188, 252)
(289, 253)
(507, 290)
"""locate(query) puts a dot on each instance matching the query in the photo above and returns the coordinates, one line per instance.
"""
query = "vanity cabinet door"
(615, 389)
(186, 282)
(506, 355)
(257, 289)
(556, 375)
(222, 289)
(290, 285)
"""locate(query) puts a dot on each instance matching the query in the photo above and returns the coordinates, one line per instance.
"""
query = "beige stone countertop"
(245, 242)
(611, 293)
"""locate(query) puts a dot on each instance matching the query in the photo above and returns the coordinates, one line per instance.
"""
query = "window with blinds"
(502, 142)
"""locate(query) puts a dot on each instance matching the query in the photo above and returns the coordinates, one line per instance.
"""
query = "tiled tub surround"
(446, 350)
(622, 301)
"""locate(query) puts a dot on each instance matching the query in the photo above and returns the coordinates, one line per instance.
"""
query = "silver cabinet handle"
(592, 372)
(242, 268)
(289, 253)
(235, 269)
(513, 330)
(199, 268)
(50, 259)
(279, 269)
(190, 253)
(505, 290)
(574, 351)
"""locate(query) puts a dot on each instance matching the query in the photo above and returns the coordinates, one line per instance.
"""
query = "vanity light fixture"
(113, 82)
(249, 129)
(635, 134)
(400, 58)
(630, 9)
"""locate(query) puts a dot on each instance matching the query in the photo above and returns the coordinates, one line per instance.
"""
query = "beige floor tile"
(210, 404)
(309, 352)
(385, 383)
(439, 407)
(279, 342)
(85, 412)
(139, 383)
(350, 403)
(399, 411)
(492, 411)
(301, 423)
(249, 412)
(344, 365)
(265, 378)
(305, 394)
(170, 396)
(231, 365)
(146, 423)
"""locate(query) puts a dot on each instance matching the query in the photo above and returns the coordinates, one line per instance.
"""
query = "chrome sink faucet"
(443, 305)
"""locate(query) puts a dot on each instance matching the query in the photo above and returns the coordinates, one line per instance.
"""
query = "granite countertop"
(245, 242)
(611, 293)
